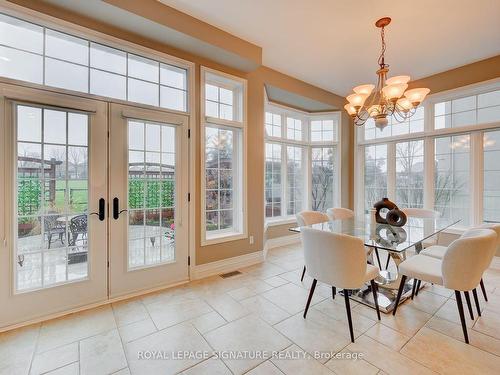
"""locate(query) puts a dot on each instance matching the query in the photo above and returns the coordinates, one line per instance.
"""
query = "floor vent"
(230, 274)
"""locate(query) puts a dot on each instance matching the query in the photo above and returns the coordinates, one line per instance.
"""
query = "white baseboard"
(226, 265)
(281, 241)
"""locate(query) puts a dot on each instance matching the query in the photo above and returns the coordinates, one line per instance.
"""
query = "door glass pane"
(151, 193)
(52, 197)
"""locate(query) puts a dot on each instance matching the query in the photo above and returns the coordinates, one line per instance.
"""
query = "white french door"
(93, 202)
(148, 199)
(54, 181)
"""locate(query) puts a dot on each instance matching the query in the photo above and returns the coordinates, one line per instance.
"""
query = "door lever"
(100, 214)
(116, 208)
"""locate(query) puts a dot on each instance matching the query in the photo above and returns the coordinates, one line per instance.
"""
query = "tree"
(322, 179)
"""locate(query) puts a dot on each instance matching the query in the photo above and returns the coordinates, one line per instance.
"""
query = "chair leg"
(413, 288)
(469, 305)
(378, 259)
(461, 313)
(311, 292)
(400, 292)
(334, 291)
(418, 287)
(375, 296)
(388, 259)
(483, 289)
(476, 300)
(348, 310)
(303, 273)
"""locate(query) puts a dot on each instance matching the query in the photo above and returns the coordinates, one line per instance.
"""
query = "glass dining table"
(398, 242)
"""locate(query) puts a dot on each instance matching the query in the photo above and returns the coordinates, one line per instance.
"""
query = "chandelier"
(390, 98)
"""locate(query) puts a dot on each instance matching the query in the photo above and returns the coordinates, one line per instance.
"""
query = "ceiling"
(334, 44)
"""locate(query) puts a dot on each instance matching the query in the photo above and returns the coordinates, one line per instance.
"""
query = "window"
(491, 157)
(396, 126)
(469, 110)
(224, 196)
(293, 129)
(450, 165)
(323, 177)
(410, 174)
(273, 179)
(37, 54)
(301, 162)
(375, 174)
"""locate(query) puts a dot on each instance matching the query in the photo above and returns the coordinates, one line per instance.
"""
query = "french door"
(93, 202)
(148, 197)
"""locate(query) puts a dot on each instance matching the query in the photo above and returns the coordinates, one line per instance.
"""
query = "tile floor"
(260, 310)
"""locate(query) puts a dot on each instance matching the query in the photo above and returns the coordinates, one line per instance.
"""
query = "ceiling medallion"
(390, 97)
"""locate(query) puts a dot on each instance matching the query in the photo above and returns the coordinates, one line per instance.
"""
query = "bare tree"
(322, 180)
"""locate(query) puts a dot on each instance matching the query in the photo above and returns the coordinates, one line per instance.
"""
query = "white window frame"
(240, 124)
(307, 146)
(429, 134)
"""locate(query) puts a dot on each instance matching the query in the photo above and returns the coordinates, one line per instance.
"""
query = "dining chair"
(339, 213)
(438, 252)
(460, 269)
(305, 218)
(338, 260)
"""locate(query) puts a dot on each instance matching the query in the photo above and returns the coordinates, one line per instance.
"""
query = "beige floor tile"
(477, 339)
(134, 331)
(55, 358)
(449, 356)
(427, 302)
(294, 360)
(210, 366)
(166, 314)
(246, 334)
(207, 322)
(71, 369)
(387, 336)
(227, 307)
(264, 270)
(16, 349)
(265, 309)
(290, 298)
(349, 366)
(241, 293)
(265, 368)
(182, 337)
(276, 281)
(124, 371)
(74, 327)
(129, 311)
(338, 312)
(449, 311)
(317, 333)
(102, 354)
(437, 289)
(489, 323)
(390, 361)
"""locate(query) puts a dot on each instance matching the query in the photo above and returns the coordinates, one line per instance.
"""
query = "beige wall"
(256, 80)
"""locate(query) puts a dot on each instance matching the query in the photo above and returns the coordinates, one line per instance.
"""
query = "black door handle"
(102, 206)
(116, 208)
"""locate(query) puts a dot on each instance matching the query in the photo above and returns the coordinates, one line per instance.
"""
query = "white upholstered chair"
(305, 218)
(338, 260)
(339, 213)
(439, 251)
(460, 269)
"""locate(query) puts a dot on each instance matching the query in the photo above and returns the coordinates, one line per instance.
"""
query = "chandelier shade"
(389, 97)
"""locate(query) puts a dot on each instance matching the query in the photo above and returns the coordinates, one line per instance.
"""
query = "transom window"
(45, 56)
(219, 102)
(294, 129)
(323, 130)
(273, 124)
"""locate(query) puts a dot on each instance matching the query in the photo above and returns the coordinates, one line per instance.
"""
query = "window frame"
(240, 125)
(476, 172)
(307, 145)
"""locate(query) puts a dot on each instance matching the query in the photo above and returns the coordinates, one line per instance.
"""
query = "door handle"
(116, 208)
(102, 206)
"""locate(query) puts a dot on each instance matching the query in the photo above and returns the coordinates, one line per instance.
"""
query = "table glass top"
(384, 236)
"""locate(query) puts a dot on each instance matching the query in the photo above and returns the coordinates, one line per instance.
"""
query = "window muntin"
(273, 180)
(452, 176)
(323, 130)
(273, 124)
(295, 179)
(375, 174)
(323, 161)
(469, 110)
(36, 54)
(491, 183)
(410, 174)
(294, 129)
